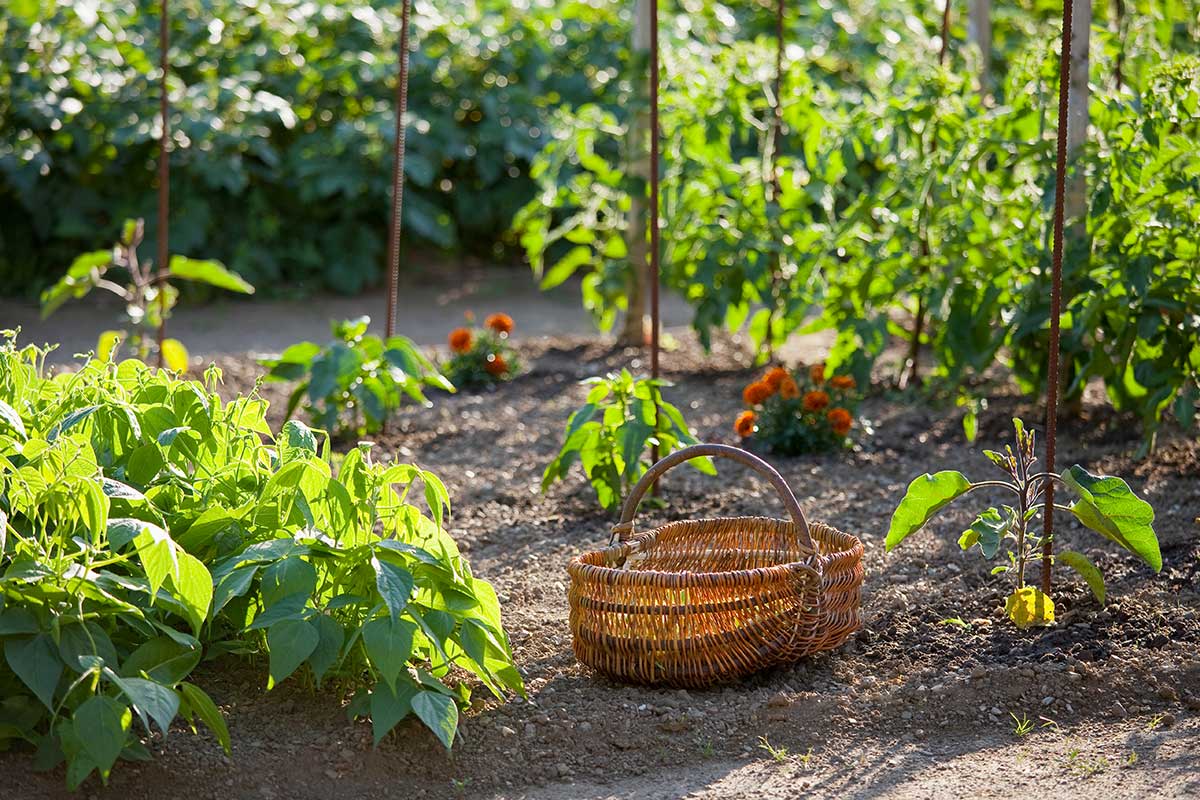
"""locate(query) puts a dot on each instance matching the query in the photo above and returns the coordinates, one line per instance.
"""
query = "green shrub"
(146, 524)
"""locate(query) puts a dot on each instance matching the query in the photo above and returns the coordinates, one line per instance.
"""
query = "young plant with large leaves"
(1104, 504)
(611, 433)
(354, 383)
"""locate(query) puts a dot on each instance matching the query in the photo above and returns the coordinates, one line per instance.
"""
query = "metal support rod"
(1060, 179)
(654, 212)
(164, 178)
(393, 275)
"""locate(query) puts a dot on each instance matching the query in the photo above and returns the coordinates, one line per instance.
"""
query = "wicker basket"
(704, 601)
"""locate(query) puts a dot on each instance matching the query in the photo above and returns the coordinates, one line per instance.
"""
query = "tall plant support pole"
(654, 213)
(979, 31)
(164, 177)
(393, 275)
(633, 332)
(772, 167)
(1064, 93)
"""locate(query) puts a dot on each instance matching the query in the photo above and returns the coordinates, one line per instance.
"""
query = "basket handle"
(624, 528)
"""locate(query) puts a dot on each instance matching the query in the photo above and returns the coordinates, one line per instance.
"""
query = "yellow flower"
(1028, 607)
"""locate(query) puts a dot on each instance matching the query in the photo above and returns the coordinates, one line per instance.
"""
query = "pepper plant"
(612, 432)
(1104, 504)
(149, 298)
(351, 385)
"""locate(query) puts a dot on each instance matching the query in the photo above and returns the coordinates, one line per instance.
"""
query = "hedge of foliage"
(283, 123)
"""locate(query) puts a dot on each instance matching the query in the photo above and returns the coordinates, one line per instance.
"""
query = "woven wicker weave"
(700, 602)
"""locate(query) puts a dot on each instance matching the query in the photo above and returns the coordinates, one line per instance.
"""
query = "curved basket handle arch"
(624, 528)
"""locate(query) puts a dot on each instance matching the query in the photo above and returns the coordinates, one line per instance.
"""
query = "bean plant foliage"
(351, 385)
(611, 433)
(147, 525)
(1103, 504)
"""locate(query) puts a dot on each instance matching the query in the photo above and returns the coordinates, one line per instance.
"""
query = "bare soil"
(921, 703)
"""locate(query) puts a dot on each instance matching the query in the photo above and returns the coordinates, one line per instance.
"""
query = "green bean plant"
(354, 383)
(1104, 504)
(611, 434)
(148, 297)
(146, 524)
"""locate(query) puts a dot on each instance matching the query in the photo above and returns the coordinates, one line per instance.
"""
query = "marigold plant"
(799, 413)
(482, 356)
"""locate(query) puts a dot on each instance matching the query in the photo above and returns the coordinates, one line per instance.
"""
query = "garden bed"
(922, 700)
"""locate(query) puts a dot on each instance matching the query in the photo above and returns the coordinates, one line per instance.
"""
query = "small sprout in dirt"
(460, 784)
(1083, 766)
(1103, 504)
(805, 760)
(1021, 726)
(147, 295)
(1130, 760)
(801, 412)
(957, 622)
(482, 356)
(352, 385)
(1156, 722)
(779, 754)
(707, 749)
(611, 435)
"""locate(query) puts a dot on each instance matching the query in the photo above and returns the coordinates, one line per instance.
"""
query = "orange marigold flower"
(817, 373)
(816, 400)
(500, 323)
(496, 365)
(788, 390)
(775, 377)
(842, 382)
(840, 420)
(756, 393)
(460, 340)
(745, 423)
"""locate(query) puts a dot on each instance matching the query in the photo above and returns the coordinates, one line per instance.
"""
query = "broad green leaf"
(36, 662)
(1087, 569)
(102, 725)
(290, 642)
(1108, 506)
(206, 709)
(150, 700)
(390, 705)
(162, 658)
(389, 644)
(439, 713)
(193, 587)
(395, 584)
(213, 273)
(926, 495)
(328, 651)
(288, 576)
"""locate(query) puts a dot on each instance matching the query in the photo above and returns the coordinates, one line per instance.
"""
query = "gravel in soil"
(923, 702)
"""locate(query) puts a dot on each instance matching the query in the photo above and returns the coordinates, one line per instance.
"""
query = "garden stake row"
(1064, 91)
(398, 149)
(164, 178)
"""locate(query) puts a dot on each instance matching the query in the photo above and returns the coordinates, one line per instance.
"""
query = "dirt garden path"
(913, 707)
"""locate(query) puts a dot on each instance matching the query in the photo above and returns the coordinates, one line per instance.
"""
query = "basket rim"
(816, 562)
